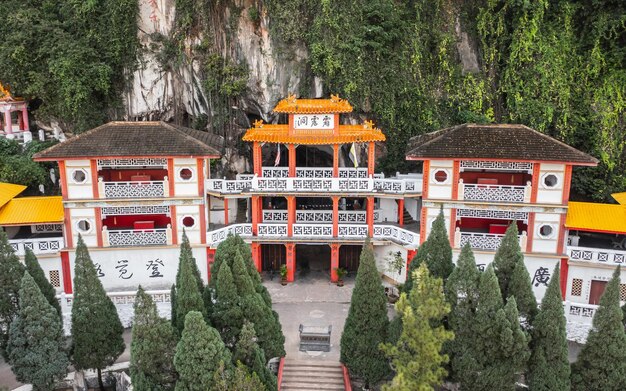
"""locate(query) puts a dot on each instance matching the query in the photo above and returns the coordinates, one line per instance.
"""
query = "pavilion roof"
(8, 191)
(279, 134)
(32, 210)
(620, 198)
(130, 139)
(494, 142)
(293, 105)
(589, 216)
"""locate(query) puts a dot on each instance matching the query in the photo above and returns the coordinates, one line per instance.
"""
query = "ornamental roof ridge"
(293, 105)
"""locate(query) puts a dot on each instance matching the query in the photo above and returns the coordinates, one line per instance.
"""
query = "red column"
(401, 212)
(334, 261)
(8, 125)
(335, 160)
(174, 221)
(67, 272)
(202, 223)
(564, 271)
(452, 226)
(291, 261)
(371, 158)
(94, 178)
(423, 225)
(171, 175)
(370, 215)
(535, 183)
(25, 119)
(257, 159)
(225, 211)
(530, 233)
(335, 217)
(260, 209)
(410, 254)
(255, 214)
(291, 214)
(456, 175)
(210, 258)
(292, 160)
(98, 218)
(256, 255)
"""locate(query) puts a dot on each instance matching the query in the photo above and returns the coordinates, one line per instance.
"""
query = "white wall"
(431, 215)
(382, 253)
(77, 190)
(216, 213)
(587, 274)
(414, 207)
(388, 210)
(185, 187)
(546, 244)
(546, 194)
(193, 232)
(440, 190)
(89, 236)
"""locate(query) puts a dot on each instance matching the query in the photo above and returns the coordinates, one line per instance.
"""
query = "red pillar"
(564, 272)
(335, 160)
(291, 261)
(371, 158)
(225, 211)
(401, 212)
(370, 216)
(334, 261)
(67, 272)
(292, 160)
(256, 255)
(210, 258)
(255, 214)
(174, 221)
(26, 122)
(335, 217)
(257, 158)
(291, 214)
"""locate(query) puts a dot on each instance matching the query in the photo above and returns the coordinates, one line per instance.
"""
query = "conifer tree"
(173, 306)
(266, 324)
(34, 269)
(188, 294)
(226, 252)
(367, 323)
(227, 316)
(96, 328)
(436, 252)
(240, 379)
(152, 347)
(417, 358)
(36, 343)
(520, 287)
(601, 363)
(198, 354)
(241, 277)
(248, 352)
(187, 255)
(11, 272)
(548, 367)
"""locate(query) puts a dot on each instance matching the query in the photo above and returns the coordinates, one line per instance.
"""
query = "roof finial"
(335, 98)
(258, 123)
(291, 98)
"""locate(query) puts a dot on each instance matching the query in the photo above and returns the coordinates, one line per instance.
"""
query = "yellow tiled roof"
(271, 133)
(588, 216)
(620, 197)
(8, 191)
(293, 105)
(32, 210)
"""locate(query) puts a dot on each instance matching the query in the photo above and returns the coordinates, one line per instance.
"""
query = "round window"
(545, 231)
(441, 176)
(189, 221)
(550, 180)
(79, 176)
(185, 174)
(84, 225)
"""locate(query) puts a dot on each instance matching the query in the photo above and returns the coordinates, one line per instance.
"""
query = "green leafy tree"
(36, 343)
(548, 367)
(367, 323)
(227, 316)
(436, 252)
(96, 328)
(152, 347)
(513, 276)
(34, 269)
(188, 294)
(248, 352)
(198, 354)
(601, 364)
(240, 379)
(417, 358)
(11, 272)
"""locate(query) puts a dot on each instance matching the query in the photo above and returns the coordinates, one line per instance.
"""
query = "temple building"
(14, 122)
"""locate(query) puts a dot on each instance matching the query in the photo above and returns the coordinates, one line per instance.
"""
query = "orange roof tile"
(9, 191)
(272, 133)
(619, 197)
(32, 210)
(596, 217)
(293, 105)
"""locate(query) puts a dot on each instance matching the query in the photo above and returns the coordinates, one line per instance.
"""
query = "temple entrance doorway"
(272, 257)
(349, 257)
(313, 260)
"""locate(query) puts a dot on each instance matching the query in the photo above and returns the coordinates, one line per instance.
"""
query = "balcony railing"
(136, 237)
(483, 241)
(596, 255)
(317, 172)
(318, 216)
(319, 231)
(134, 189)
(37, 245)
(494, 193)
(579, 312)
(321, 185)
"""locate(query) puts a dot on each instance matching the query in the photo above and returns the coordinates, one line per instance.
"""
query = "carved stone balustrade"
(133, 189)
(596, 255)
(494, 193)
(483, 241)
(136, 237)
(37, 245)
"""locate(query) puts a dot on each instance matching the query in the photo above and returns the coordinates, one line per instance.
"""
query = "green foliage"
(18, 167)
(36, 343)
(96, 328)
(241, 277)
(417, 358)
(548, 367)
(74, 55)
(240, 379)
(11, 272)
(248, 352)
(34, 269)
(198, 354)
(601, 364)
(367, 323)
(266, 324)
(188, 293)
(227, 316)
(152, 347)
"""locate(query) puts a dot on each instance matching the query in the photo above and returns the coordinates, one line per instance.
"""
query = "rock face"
(159, 92)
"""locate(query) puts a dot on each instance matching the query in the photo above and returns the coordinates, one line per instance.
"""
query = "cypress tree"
(198, 354)
(520, 287)
(188, 294)
(226, 252)
(186, 255)
(36, 343)
(601, 364)
(548, 367)
(11, 272)
(152, 347)
(34, 269)
(96, 328)
(436, 252)
(227, 316)
(248, 352)
(266, 324)
(240, 379)
(367, 323)
(241, 277)
(417, 358)
(173, 306)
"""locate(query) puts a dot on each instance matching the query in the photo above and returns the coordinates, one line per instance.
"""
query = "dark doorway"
(597, 289)
(273, 256)
(349, 257)
(313, 257)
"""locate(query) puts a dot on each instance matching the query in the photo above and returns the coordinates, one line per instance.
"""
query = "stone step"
(313, 363)
(313, 380)
(309, 387)
(308, 368)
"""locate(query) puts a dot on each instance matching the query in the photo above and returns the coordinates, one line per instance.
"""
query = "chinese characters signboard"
(313, 121)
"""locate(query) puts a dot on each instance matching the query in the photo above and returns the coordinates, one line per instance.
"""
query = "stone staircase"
(311, 376)
(408, 219)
